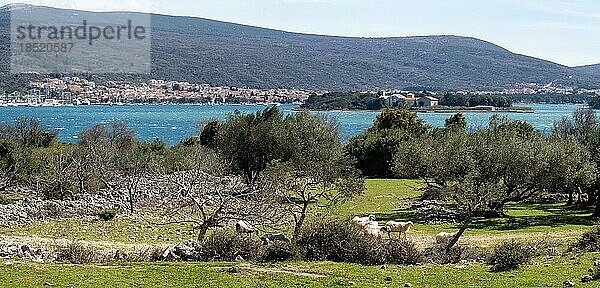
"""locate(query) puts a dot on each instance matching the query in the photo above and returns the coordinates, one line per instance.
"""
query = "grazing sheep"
(376, 231)
(444, 237)
(399, 227)
(243, 227)
(271, 237)
(364, 220)
(373, 228)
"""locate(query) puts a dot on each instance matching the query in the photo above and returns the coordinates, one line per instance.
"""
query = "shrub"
(509, 255)
(339, 241)
(107, 214)
(438, 254)
(54, 210)
(145, 254)
(6, 200)
(278, 251)
(588, 242)
(226, 246)
(78, 253)
(545, 248)
(59, 191)
(402, 251)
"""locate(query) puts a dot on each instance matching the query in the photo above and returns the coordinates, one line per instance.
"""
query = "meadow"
(387, 199)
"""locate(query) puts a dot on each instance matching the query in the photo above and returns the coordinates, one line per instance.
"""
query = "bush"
(545, 248)
(6, 200)
(226, 246)
(78, 253)
(339, 241)
(59, 191)
(107, 214)
(402, 251)
(54, 210)
(438, 254)
(588, 242)
(509, 255)
(278, 251)
(144, 254)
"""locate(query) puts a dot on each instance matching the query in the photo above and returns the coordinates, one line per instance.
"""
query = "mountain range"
(219, 53)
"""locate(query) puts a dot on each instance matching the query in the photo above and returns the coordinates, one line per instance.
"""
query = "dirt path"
(487, 240)
(422, 240)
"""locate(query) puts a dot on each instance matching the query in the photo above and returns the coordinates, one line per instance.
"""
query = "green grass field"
(387, 199)
(550, 273)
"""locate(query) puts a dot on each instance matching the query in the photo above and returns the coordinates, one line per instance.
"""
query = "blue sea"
(173, 123)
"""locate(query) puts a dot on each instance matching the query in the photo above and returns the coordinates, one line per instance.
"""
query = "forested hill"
(207, 51)
(589, 69)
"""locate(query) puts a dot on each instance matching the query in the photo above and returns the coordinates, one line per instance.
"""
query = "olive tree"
(248, 141)
(514, 159)
(584, 127)
(375, 148)
(449, 166)
(318, 172)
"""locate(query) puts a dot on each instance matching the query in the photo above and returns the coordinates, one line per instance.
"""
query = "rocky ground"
(152, 192)
(433, 212)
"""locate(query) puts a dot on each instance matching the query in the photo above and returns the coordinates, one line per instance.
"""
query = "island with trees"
(424, 101)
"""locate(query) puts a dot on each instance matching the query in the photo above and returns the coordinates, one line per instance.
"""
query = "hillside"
(589, 69)
(207, 51)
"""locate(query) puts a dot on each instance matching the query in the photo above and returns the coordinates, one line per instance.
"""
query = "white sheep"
(375, 231)
(364, 220)
(243, 227)
(373, 228)
(399, 227)
(444, 237)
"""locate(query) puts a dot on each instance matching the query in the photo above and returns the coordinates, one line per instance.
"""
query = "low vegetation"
(589, 241)
(107, 214)
(509, 255)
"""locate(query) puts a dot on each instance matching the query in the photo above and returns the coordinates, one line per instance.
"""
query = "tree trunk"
(301, 220)
(202, 232)
(81, 185)
(459, 234)
(497, 209)
(597, 209)
(571, 200)
(592, 198)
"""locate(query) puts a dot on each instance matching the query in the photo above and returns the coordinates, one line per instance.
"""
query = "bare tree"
(7, 165)
(200, 193)
(55, 176)
(133, 166)
(113, 156)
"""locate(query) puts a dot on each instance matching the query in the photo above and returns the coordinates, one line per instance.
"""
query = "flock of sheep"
(368, 222)
(373, 227)
(390, 227)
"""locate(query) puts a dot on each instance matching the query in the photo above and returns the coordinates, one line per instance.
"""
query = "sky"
(562, 31)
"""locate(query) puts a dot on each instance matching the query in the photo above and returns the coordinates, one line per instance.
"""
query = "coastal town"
(68, 91)
(73, 91)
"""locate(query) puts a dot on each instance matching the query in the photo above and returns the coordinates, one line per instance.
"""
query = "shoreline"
(516, 109)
